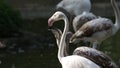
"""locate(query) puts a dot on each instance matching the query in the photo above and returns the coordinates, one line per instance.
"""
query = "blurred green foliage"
(10, 20)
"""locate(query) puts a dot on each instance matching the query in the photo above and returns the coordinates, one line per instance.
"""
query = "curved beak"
(72, 39)
(50, 22)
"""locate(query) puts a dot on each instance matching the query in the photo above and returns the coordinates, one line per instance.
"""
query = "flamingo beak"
(50, 22)
(72, 39)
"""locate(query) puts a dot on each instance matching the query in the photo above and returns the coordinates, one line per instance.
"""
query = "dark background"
(25, 41)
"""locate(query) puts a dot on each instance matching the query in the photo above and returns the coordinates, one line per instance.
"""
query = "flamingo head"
(55, 17)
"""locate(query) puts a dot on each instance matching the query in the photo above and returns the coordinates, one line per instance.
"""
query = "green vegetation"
(10, 20)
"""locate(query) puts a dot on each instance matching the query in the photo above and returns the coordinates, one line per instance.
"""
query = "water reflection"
(38, 48)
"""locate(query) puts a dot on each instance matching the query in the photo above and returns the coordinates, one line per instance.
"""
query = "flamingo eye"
(56, 16)
(60, 15)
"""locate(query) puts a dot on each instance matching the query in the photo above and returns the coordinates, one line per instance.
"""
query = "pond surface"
(44, 55)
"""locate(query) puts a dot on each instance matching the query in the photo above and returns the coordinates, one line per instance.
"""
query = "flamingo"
(71, 61)
(101, 59)
(81, 19)
(73, 8)
(99, 29)
(94, 55)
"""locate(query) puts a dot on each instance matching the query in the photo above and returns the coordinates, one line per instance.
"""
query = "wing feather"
(96, 56)
(94, 26)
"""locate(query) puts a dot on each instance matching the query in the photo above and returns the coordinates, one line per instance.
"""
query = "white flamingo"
(72, 61)
(74, 7)
(97, 30)
(94, 55)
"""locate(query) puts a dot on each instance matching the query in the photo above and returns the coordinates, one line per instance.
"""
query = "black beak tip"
(50, 27)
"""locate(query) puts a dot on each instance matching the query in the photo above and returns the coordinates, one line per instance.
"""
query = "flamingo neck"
(58, 35)
(117, 15)
(62, 40)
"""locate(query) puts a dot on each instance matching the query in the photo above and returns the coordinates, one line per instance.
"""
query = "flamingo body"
(95, 30)
(96, 56)
(79, 62)
(75, 7)
(81, 19)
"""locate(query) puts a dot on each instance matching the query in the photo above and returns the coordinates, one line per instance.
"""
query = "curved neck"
(117, 15)
(58, 33)
(62, 40)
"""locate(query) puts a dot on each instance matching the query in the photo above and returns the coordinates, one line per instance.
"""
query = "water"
(43, 54)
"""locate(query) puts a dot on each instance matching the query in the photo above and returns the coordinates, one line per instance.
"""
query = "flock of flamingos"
(87, 27)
